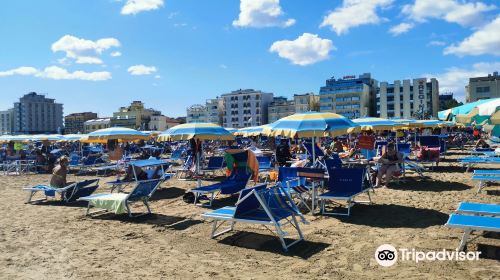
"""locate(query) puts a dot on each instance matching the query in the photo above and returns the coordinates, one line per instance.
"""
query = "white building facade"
(6, 121)
(244, 108)
(417, 98)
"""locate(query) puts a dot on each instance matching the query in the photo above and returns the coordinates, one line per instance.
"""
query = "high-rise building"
(246, 107)
(6, 121)
(196, 113)
(280, 107)
(350, 96)
(35, 114)
(135, 116)
(215, 109)
(96, 124)
(408, 99)
(73, 123)
(306, 102)
(483, 87)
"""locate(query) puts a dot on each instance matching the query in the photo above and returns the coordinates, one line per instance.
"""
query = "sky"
(99, 55)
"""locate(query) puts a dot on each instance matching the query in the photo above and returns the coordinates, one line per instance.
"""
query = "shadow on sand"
(411, 184)
(270, 243)
(160, 221)
(394, 216)
(167, 193)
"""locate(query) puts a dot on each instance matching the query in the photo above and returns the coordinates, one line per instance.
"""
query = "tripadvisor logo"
(387, 255)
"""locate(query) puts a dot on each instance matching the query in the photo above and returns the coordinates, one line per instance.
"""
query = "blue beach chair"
(257, 205)
(471, 223)
(68, 194)
(234, 183)
(345, 184)
(471, 208)
(485, 179)
(215, 164)
(265, 163)
(119, 203)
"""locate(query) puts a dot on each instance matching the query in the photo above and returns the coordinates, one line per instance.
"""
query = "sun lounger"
(234, 183)
(265, 163)
(271, 207)
(345, 184)
(119, 203)
(487, 172)
(484, 179)
(69, 193)
(471, 223)
(470, 162)
(478, 209)
(215, 164)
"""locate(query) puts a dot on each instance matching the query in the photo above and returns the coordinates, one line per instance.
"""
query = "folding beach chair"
(119, 203)
(471, 223)
(185, 171)
(345, 184)
(177, 154)
(215, 164)
(69, 193)
(265, 163)
(257, 205)
(485, 179)
(480, 209)
(234, 183)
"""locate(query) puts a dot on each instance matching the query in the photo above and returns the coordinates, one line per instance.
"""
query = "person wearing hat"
(58, 179)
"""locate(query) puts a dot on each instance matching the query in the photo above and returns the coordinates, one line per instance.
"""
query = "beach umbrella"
(481, 113)
(311, 125)
(72, 137)
(428, 123)
(197, 131)
(231, 130)
(376, 124)
(116, 133)
(46, 137)
(450, 114)
(250, 131)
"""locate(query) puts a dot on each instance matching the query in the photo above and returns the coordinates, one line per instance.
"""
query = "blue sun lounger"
(215, 164)
(484, 179)
(345, 184)
(470, 162)
(237, 181)
(487, 172)
(265, 163)
(272, 208)
(471, 223)
(119, 203)
(68, 194)
(471, 208)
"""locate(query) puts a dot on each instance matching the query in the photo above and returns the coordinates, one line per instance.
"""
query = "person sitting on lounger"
(58, 179)
(389, 164)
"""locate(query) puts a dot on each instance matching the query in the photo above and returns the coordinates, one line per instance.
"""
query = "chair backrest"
(431, 141)
(144, 189)
(285, 173)
(404, 148)
(333, 163)
(347, 179)
(215, 162)
(177, 154)
(368, 154)
(264, 162)
(277, 199)
(81, 189)
(309, 146)
(247, 200)
(188, 163)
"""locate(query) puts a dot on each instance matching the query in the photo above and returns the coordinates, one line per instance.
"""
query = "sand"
(54, 241)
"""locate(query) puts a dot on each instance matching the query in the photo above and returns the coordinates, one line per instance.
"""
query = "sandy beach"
(55, 241)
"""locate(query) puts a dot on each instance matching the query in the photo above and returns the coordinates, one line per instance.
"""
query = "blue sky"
(98, 55)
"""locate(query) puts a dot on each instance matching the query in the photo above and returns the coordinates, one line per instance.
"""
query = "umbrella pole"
(314, 150)
(198, 156)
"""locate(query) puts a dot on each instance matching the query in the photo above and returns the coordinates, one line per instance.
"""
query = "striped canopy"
(459, 110)
(198, 131)
(311, 124)
(231, 130)
(72, 137)
(250, 131)
(481, 113)
(46, 137)
(377, 124)
(117, 133)
(15, 138)
(429, 123)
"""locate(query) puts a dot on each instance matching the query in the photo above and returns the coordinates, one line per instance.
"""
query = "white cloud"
(306, 49)
(401, 28)
(57, 73)
(455, 78)
(133, 7)
(157, 77)
(436, 43)
(461, 12)
(354, 13)
(116, 54)
(83, 51)
(23, 70)
(261, 13)
(485, 40)
(138, 70)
